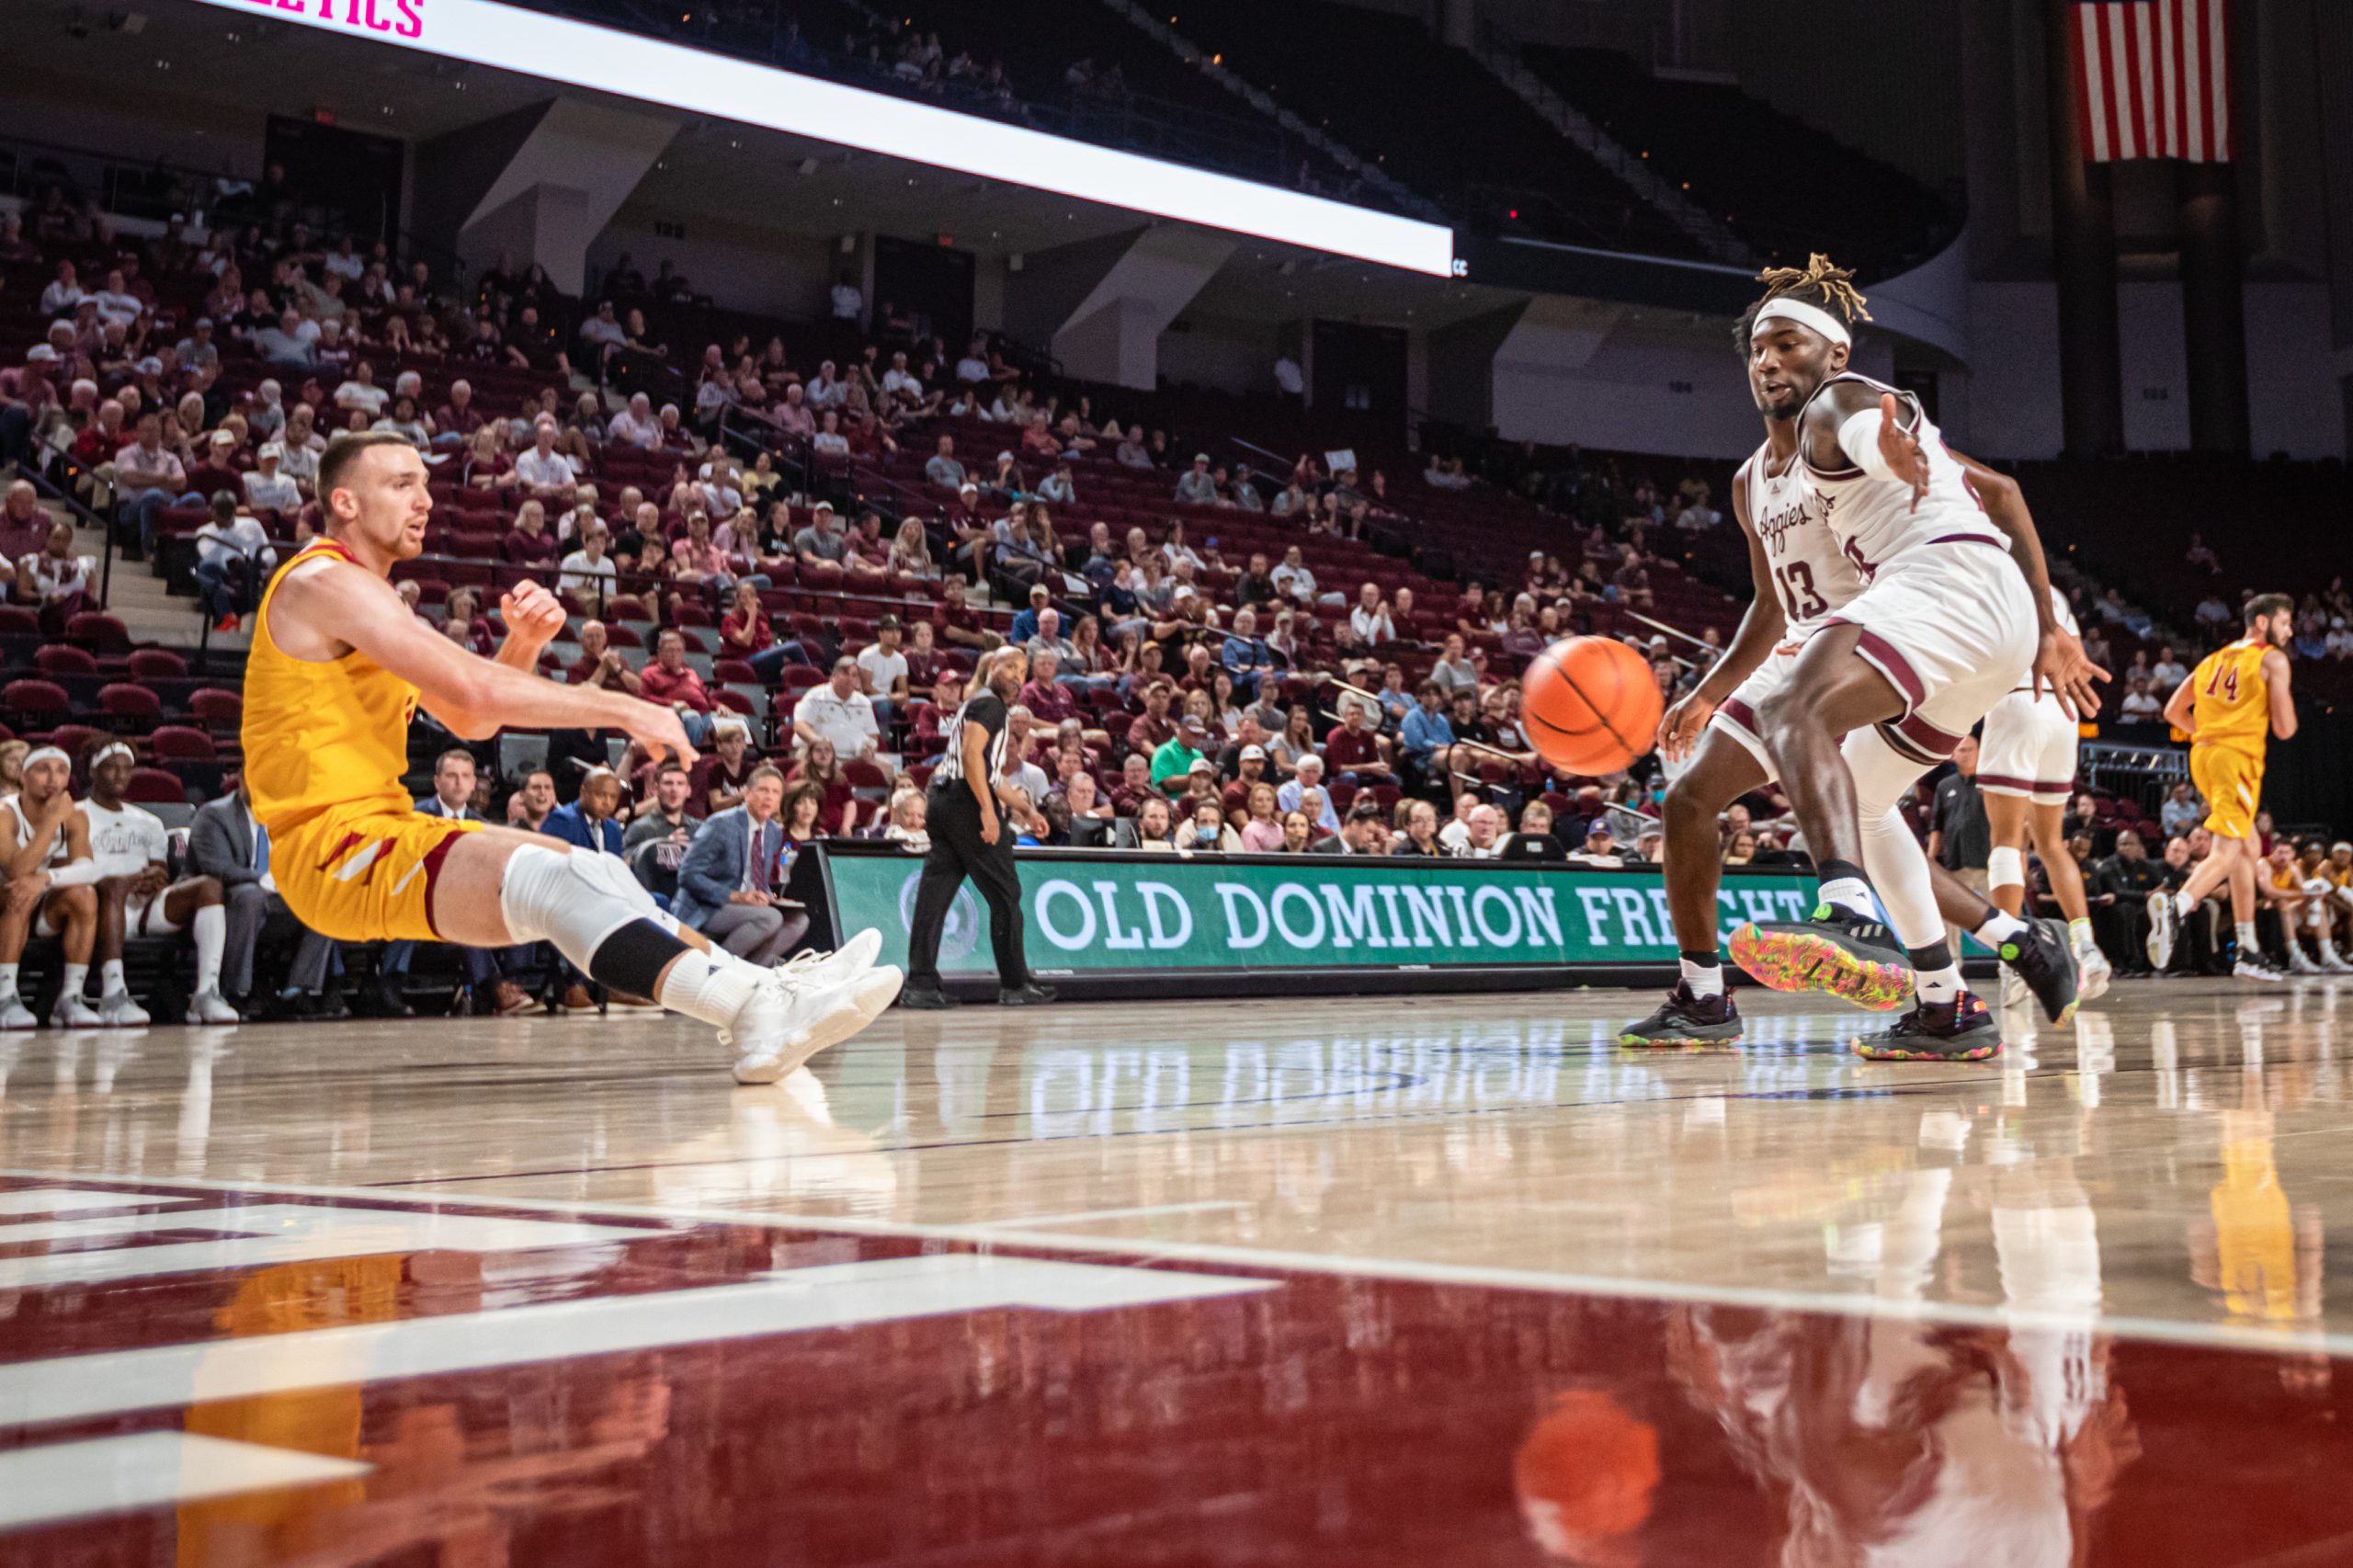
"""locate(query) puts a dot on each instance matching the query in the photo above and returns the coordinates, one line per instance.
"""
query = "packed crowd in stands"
(804, 558)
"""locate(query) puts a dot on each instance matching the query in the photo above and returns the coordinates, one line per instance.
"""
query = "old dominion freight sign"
(1090, 913)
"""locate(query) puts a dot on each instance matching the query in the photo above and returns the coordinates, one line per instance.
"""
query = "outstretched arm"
(2180, 705)
(473, 697)
(1760, 627)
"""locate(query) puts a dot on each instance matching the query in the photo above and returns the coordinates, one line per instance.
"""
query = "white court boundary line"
(986, 1234)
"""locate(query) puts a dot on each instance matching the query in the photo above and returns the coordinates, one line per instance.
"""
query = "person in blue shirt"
(587, 824)
(1247, 656)
(1426, 736)
(1025, 624)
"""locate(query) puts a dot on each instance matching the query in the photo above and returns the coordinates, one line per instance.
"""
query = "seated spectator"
(1305, 784)
(943, 470)
(1365, 833)
(589, 579)
(1197, 486)
(730, 882)
(1418, 834)
(1206, 829)
(528, 542)
(232, 559)
(148, 478)
(2141, 705)
(227, 845)
(57, 580)
(1153, 826)
(636, 426)
(671, 681)
(839, 713)
(1600, 850)
(820, 768)
(545, 473)
(270, 494)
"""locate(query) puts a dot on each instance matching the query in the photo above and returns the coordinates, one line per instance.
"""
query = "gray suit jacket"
(714, 864)
(220, 841)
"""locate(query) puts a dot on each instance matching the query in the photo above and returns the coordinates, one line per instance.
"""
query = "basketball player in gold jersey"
(338, 666)
(2234, 698)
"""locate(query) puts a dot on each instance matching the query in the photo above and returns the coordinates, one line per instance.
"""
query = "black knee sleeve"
(632, 960)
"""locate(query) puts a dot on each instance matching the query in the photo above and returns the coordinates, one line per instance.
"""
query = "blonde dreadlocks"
(1818, 282)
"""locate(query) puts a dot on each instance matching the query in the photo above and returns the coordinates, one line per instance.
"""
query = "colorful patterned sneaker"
(2039, 957)
(1960, 1030)
(1686, 1019)
(1852, 958)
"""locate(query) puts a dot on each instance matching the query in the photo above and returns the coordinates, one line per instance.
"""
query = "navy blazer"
(715, 861)
(572, 825)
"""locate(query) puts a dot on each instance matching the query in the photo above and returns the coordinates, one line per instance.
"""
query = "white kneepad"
(2006, 868)
(574, 899)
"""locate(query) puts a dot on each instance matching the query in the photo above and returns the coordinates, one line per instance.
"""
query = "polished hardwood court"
(1410, 1280)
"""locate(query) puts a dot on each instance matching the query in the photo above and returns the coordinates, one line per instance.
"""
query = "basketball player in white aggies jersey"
(2026, 769)
(137, 897)
(45, 850)
(1954, 612)
(1802, 578)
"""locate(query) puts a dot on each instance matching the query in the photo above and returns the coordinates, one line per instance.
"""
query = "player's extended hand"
(24, 892)
(534, 615)
(150, 881)
(660, 732)
(1679, 727)
(2061, 662)
(1901, 447)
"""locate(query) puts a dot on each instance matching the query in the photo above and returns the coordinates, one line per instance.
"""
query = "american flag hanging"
(2153, 80)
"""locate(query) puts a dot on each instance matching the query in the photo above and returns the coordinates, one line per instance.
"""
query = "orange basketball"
(1591, 705)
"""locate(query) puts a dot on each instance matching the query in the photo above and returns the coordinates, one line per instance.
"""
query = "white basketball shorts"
(2028, 749)
(1950, 624)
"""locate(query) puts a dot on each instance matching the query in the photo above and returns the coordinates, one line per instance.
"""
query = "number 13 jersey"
(1812, 575)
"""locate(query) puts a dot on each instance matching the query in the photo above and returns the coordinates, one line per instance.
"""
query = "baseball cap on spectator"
(149, 366)
(272, 450)
(1594, 829)
(224, 438)
(60, 326)
(1202, 765)
(41, 354)
(1253, 753)
(1201, 456)
(822, 506)
(1039, 593)
(1192, 725)
(203, 322)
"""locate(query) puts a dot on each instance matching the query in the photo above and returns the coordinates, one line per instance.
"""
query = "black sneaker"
(1852, 958)
(1686, 1019)
(1962, 1029)
(926, 999)
(2039, 956)
(1029, 995)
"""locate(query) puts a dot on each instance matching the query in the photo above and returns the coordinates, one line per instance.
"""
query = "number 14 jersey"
(1812, 575)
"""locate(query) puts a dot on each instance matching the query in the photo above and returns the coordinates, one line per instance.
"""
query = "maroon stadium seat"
(124, 699)
(61, 659)
(211, 705)
(35, 699)
(181, 743)
(155, 786)
(99, 632)
(157, 663)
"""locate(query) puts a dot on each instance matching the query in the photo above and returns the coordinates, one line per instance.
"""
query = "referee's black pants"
(953, 820)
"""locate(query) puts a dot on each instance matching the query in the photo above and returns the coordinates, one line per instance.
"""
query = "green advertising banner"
(1094, 913)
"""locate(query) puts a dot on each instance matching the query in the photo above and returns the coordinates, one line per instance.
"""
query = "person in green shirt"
(1174, 761)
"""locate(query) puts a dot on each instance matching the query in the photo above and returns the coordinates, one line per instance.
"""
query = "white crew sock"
(74, 978)
(2183, 903)
(2079, 935)
(1937, 984)
(111, 979)
(1705, 979)
(711, 986)
(1851, 893)
(1999, 928)
(210, 930)
(2250, 945)
(7, 980)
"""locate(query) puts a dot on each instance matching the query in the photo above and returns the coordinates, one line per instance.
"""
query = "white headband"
(1815, 316)
(45, 754)
(105, 752)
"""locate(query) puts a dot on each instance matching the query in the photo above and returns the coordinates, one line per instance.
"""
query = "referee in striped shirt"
(969, 838)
